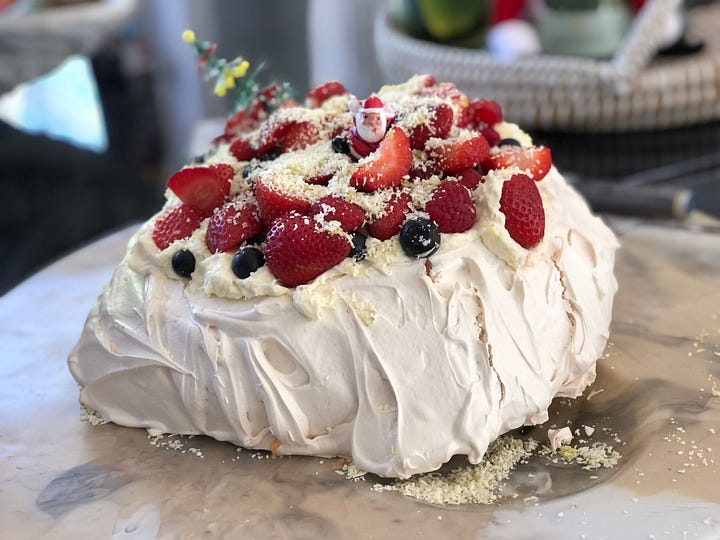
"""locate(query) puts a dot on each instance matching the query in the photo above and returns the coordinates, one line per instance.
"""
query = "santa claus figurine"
(371, 121)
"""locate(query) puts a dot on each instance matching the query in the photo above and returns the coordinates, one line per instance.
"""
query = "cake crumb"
(471, 484)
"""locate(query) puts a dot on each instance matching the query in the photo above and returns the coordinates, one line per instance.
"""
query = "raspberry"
(451, 207)
(480, 114)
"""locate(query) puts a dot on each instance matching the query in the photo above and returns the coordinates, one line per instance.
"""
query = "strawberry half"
(522, 205)
(389, 223)
(385, 167)
(535, 161)
(454, 156)
(242, 150)
(205, 188)
(481, 113)
(271, 134)
(297, 250)
(350, 215)
(274, 203)
(451, 207)
(469, 178)
(298, 136)
(318, 95)
(178, 223)
(231, 225)
(438, 125)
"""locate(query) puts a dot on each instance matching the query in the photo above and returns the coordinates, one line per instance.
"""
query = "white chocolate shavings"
(598, 455)
(471, 484)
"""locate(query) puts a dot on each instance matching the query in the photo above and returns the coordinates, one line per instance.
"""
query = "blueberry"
(358, 249)
(246, 261)
(419, 238)
(271, 154)
(509, 142)
(200, 158)
(183, 263)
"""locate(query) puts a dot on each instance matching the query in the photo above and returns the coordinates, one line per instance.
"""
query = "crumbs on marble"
(91, 417)
(174, 442)
(351, 472)
(470, 484)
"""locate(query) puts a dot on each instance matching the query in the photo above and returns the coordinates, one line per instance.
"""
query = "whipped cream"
(395, 363)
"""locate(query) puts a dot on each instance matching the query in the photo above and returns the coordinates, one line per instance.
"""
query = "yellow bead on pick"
(188, 36)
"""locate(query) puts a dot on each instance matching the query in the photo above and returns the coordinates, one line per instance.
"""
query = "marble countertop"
(656, 400)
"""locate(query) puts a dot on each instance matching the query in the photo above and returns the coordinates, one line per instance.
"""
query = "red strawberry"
(424, 170)
(297, 250)
(298, 136)
(469, 178)
(491, 136)
(231, 225)
(320, 179)
(454, 155)
(178, 223)
(451, 207)
(225, 171)
(523, 208)
(350, 215)
(319, 94)
(241, 149)
(274, 204)
(389, 223)
(202, 187)
(271, 134)
(385, 167)
(439, 124)
(535, 161)
(481, 113)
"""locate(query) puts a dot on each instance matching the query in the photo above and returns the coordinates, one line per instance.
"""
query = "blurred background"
(100, 101)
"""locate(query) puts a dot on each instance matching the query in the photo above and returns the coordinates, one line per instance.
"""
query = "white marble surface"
(64, 478)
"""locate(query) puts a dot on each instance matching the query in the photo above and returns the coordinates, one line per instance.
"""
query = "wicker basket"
(631, 91)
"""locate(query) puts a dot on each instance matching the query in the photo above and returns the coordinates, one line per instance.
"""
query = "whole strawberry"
(231, 225)
(451, 207)
(522, 205)
(389, 223)
(176, 224)
(297, 250)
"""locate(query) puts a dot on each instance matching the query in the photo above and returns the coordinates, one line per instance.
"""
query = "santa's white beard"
(369, 135)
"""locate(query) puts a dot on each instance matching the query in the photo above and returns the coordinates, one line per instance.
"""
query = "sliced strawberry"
(271, 134)
(424, 170)
(522, 205)
(178, 223)
(241, 149)
(480, 113)
(318, 95)
(438, 125)
(451, 207)
(469, 178)
(390, 222)
(297, 250)
(274, 203)
(491, 136)
(350, 215)
(385, 167)
(445, 91)
(299, 135)
(231, 225)
(453, 155)
(320, 179)
(535, 161)
(202, 187)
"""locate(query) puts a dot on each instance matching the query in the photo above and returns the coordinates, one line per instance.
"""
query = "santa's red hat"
(372, 104)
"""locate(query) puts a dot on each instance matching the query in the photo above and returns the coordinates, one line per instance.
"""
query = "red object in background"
(505, 10)
(637, 5)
